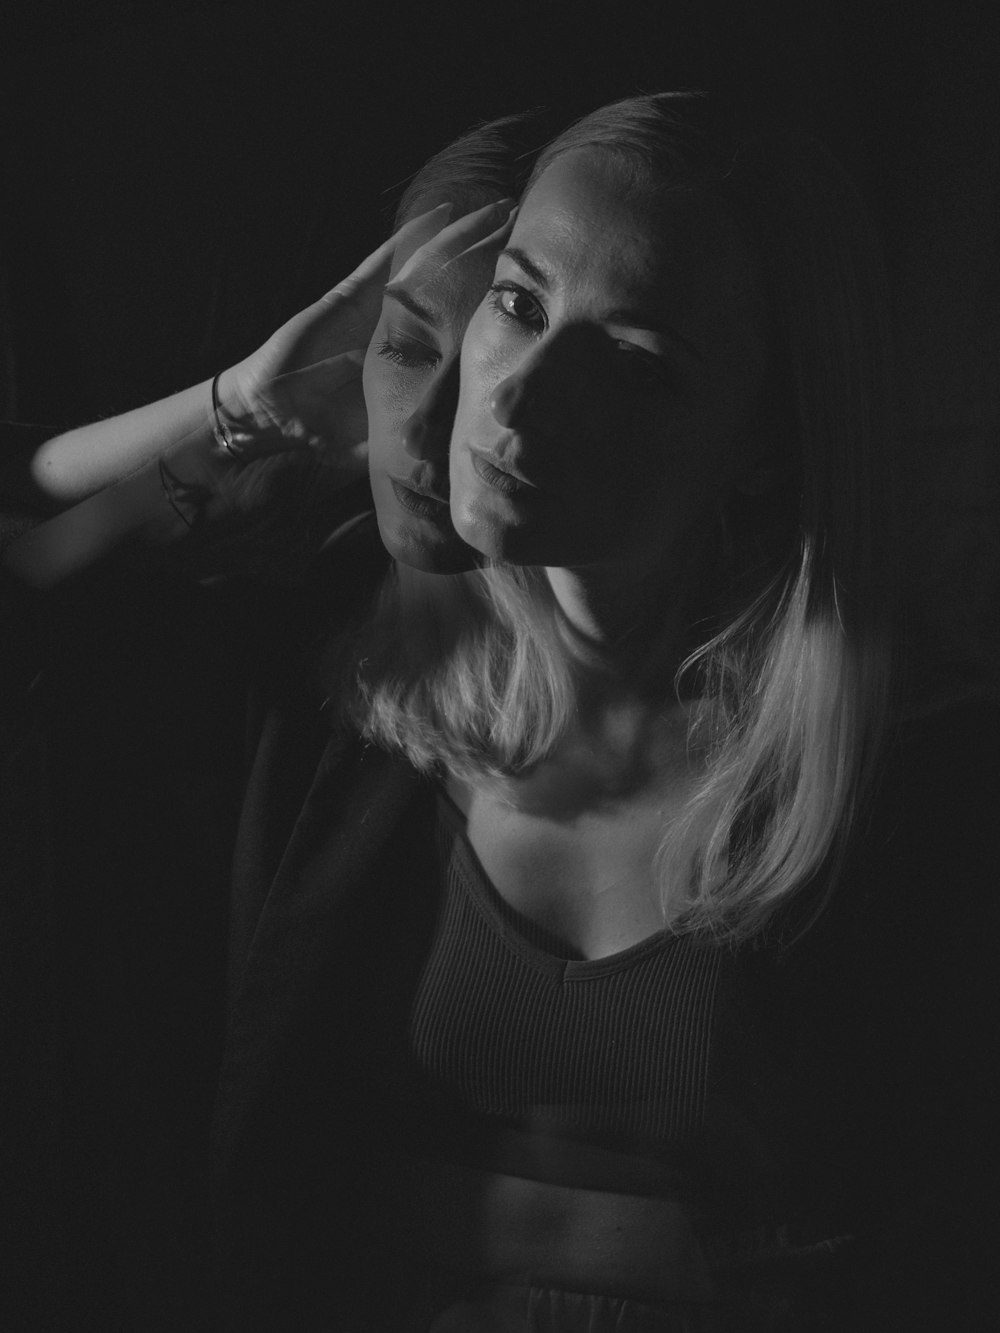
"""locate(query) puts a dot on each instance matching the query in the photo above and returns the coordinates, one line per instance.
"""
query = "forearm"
(144, 478)
(133, 516)
(73, 466)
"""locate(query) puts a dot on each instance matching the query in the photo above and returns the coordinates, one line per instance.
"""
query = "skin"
(610, 384)
(410, 380)
(587, 440)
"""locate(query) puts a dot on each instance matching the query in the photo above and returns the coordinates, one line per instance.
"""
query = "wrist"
(201, 458)
(231, 423)
(231, 397)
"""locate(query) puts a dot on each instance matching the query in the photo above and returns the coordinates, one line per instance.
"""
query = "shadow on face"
(609, 378)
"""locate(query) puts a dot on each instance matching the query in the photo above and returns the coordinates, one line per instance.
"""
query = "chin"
(426, 547)
(496, 538)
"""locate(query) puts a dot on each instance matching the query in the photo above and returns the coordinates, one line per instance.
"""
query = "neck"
(626, 637)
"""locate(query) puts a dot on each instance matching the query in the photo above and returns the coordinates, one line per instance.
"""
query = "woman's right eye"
(517, 305)
(408, 353)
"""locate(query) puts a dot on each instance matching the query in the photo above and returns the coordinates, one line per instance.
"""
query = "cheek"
(368, 372)
(372, 388)
(390, 397)
(486, 359)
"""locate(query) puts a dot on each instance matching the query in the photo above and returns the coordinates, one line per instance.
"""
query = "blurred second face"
(411, 388)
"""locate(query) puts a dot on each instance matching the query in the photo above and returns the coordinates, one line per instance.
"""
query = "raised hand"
(454, 251)
(302, 388)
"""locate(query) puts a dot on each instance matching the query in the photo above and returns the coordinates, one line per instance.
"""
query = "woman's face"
(410, 381)
(608, 376)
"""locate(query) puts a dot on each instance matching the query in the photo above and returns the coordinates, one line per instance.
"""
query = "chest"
(584, 871)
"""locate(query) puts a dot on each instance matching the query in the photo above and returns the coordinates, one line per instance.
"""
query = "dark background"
(177, 180)
(179, 177)
(183, 179)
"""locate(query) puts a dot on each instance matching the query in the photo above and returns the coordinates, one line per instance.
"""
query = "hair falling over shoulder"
(465, 671)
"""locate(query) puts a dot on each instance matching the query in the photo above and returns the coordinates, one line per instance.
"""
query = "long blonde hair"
(794, 670)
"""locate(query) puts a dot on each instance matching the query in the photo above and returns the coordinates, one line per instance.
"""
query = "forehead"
(449, 290)
(586, 223)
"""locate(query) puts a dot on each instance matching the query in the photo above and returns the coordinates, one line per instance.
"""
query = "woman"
(530, 1032)
(697, 404)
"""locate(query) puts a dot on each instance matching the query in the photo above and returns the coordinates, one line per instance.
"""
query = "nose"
(510, 401)
(427, 431)
(553, 373)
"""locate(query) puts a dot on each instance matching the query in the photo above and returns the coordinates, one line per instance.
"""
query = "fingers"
(333, 426)
(320, 403)
(345, 317)
(373, 271)
(322, 396)
(328, 372)
(483, 229)
(490, 244)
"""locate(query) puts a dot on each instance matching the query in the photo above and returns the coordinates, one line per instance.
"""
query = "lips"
(420, 500)
(499, 476)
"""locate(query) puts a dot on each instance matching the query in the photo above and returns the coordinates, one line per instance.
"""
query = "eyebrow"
(632, 319)
(527, 265)
(643, 319)
(409, 302)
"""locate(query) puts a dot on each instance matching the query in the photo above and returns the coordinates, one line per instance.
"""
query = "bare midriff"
(482, 1225)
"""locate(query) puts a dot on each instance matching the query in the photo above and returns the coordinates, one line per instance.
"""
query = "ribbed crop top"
(480, 1041)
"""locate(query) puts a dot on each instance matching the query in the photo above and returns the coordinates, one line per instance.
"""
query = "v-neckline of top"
(537, 946)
